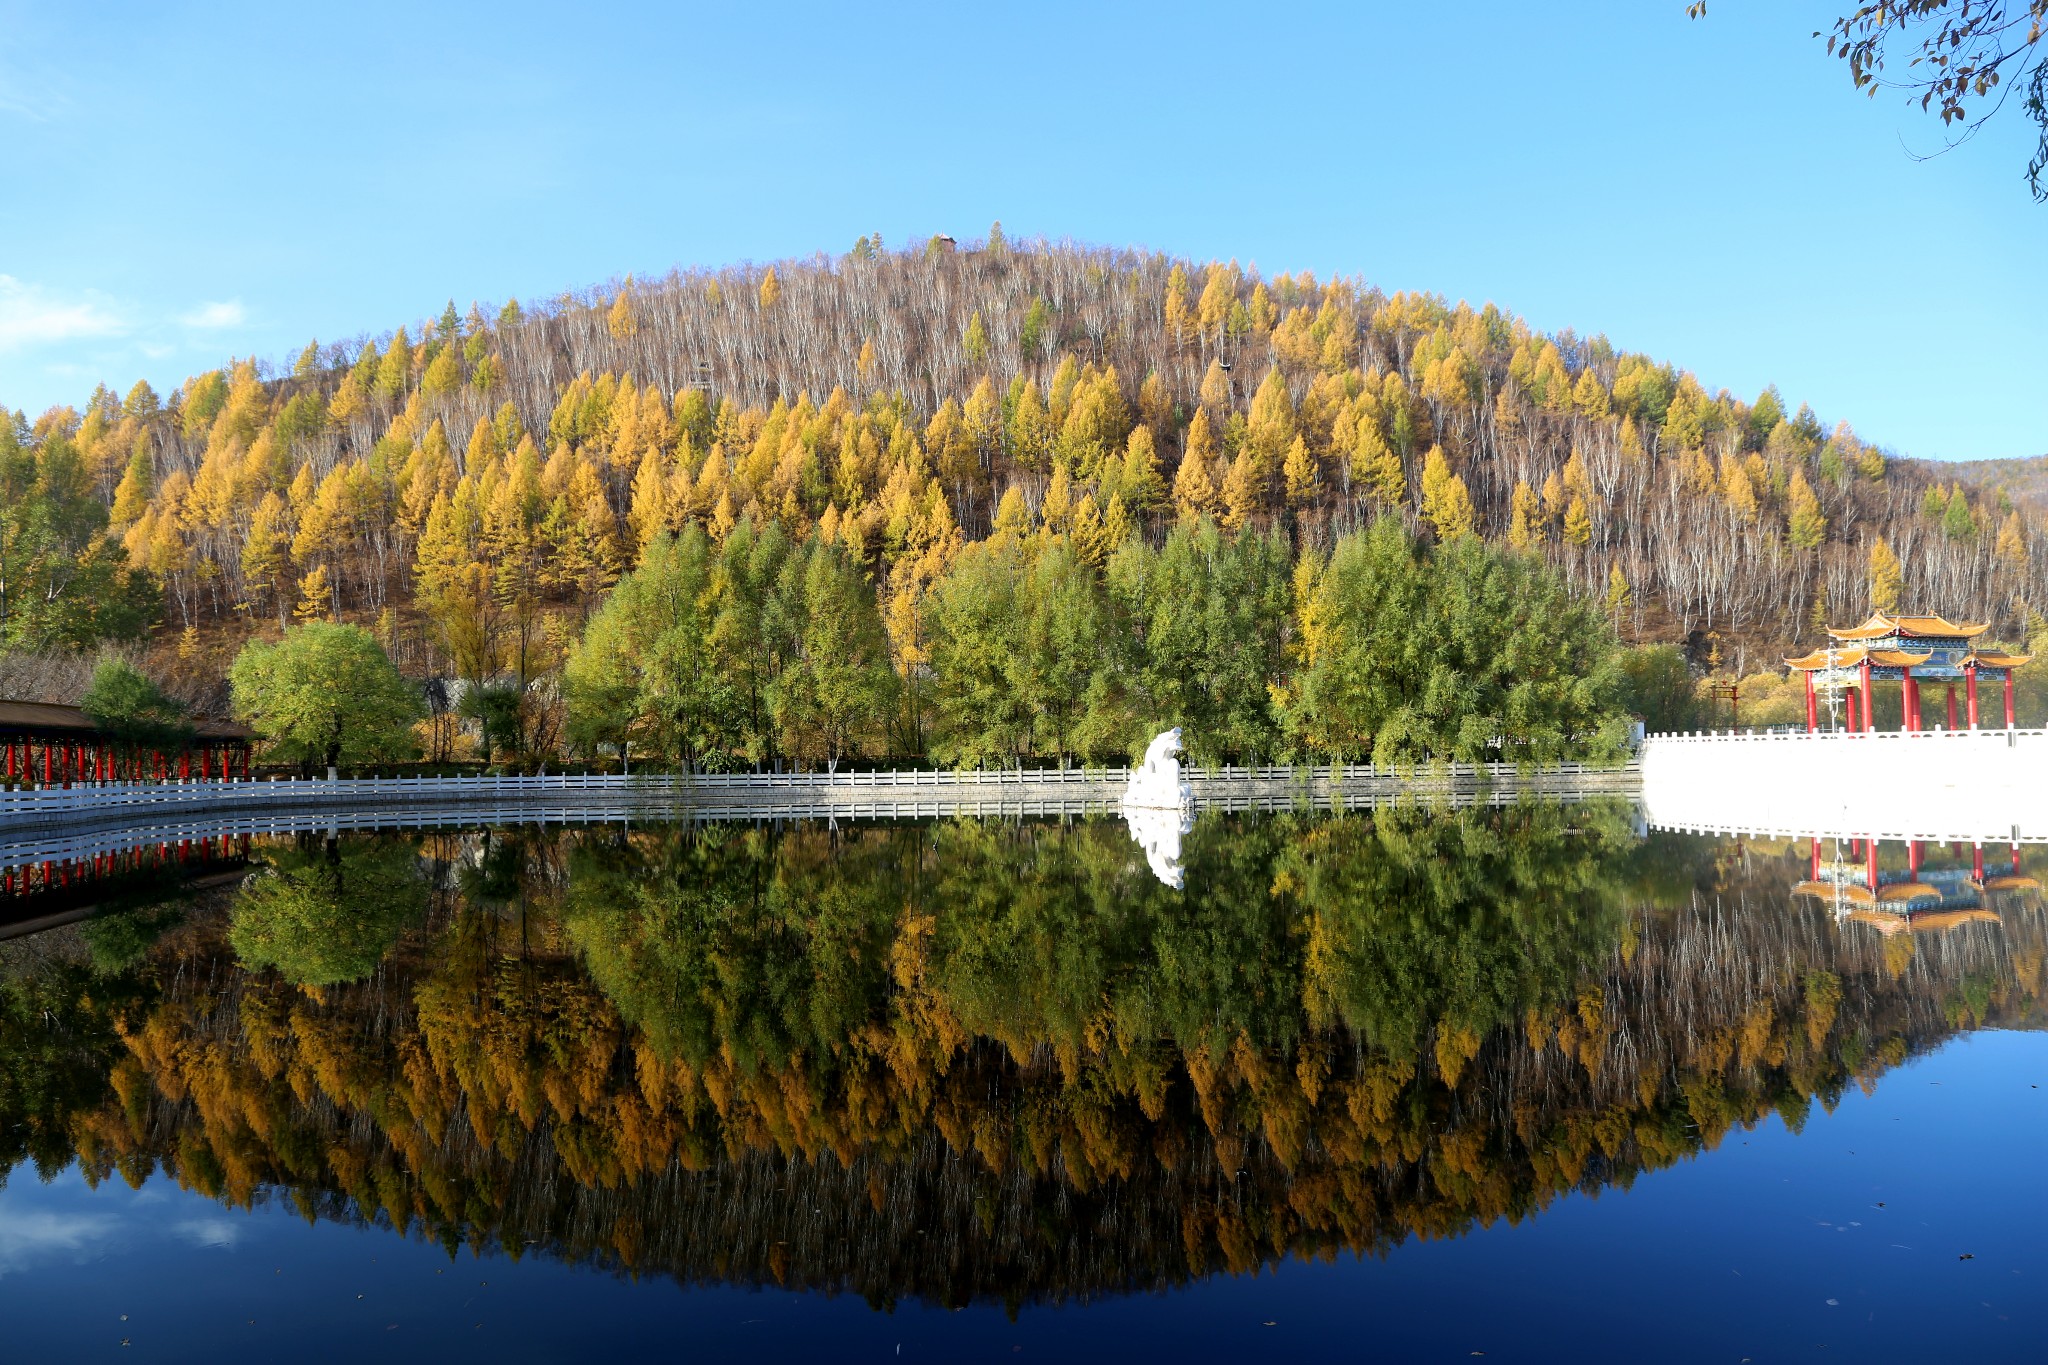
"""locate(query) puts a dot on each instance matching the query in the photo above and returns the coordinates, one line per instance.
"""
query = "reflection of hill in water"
(982, 1061)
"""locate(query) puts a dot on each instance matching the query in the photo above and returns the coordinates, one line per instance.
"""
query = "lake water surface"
(1395, 1085)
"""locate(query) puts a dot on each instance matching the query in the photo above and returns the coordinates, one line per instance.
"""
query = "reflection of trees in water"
(998, 1060)
(322, 913)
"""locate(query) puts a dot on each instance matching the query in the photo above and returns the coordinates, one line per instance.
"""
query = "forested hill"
(2024, 481)
(900, 401)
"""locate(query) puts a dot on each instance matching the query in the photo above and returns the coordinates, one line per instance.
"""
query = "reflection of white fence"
(890, 794)
(1936, 785)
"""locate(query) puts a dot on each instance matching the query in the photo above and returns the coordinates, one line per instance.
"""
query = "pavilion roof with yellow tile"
(1883, 625)
(1852, 658)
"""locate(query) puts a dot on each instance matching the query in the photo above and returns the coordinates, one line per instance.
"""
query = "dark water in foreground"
(1389, 1086)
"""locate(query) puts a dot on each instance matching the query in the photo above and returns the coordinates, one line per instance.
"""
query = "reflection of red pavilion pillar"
(1913, 856)
(2015, 860)
(1812, 706)
(1814, 875)
(1977, 862)
(1870, 862)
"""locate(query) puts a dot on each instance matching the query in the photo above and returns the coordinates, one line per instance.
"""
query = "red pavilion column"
(1909, 701)
(2008, 699)
(1951, 706)
(1812, 707)
(1970, 684)
(1867, 708)
(185, 766)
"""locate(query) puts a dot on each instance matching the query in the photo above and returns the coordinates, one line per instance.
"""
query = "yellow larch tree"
(1526, 522)
(1244, 489)
(1446, 503)
(2012, 541)
(1303, 476)
(1578, 521)
(1805, 525)
(1887, 577)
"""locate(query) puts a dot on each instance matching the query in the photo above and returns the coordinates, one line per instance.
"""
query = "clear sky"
(184, 183)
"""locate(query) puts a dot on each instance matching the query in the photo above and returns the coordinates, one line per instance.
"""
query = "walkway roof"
(53, 721)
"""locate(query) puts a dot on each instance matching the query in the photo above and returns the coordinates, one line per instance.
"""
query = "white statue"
(1159, 807)
(1157, 784)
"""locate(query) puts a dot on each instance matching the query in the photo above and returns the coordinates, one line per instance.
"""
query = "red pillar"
(2008, 699)
(1870, 862)
(185, 766)
(1970, 684)
(1909, 701)
(1867, 722)
(1812, 707)
(1951, 706)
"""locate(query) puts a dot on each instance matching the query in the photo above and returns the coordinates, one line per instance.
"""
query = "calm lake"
(1524, 1083)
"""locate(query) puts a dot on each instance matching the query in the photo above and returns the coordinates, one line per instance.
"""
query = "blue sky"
(185, 183)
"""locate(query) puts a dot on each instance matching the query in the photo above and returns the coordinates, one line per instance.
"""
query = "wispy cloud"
(214, 317)
(31, 315)
(207, 1232)
(33, 1237)
(30, 99)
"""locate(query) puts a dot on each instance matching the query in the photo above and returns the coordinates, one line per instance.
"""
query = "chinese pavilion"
(1908, 650)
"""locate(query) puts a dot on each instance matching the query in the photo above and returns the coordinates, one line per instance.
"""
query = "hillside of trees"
(970, 1061)
(2025, 481)
(471, 489)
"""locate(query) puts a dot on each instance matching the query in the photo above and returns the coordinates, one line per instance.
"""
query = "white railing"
(1934, 736)
(1937, 785)
(103, 802)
